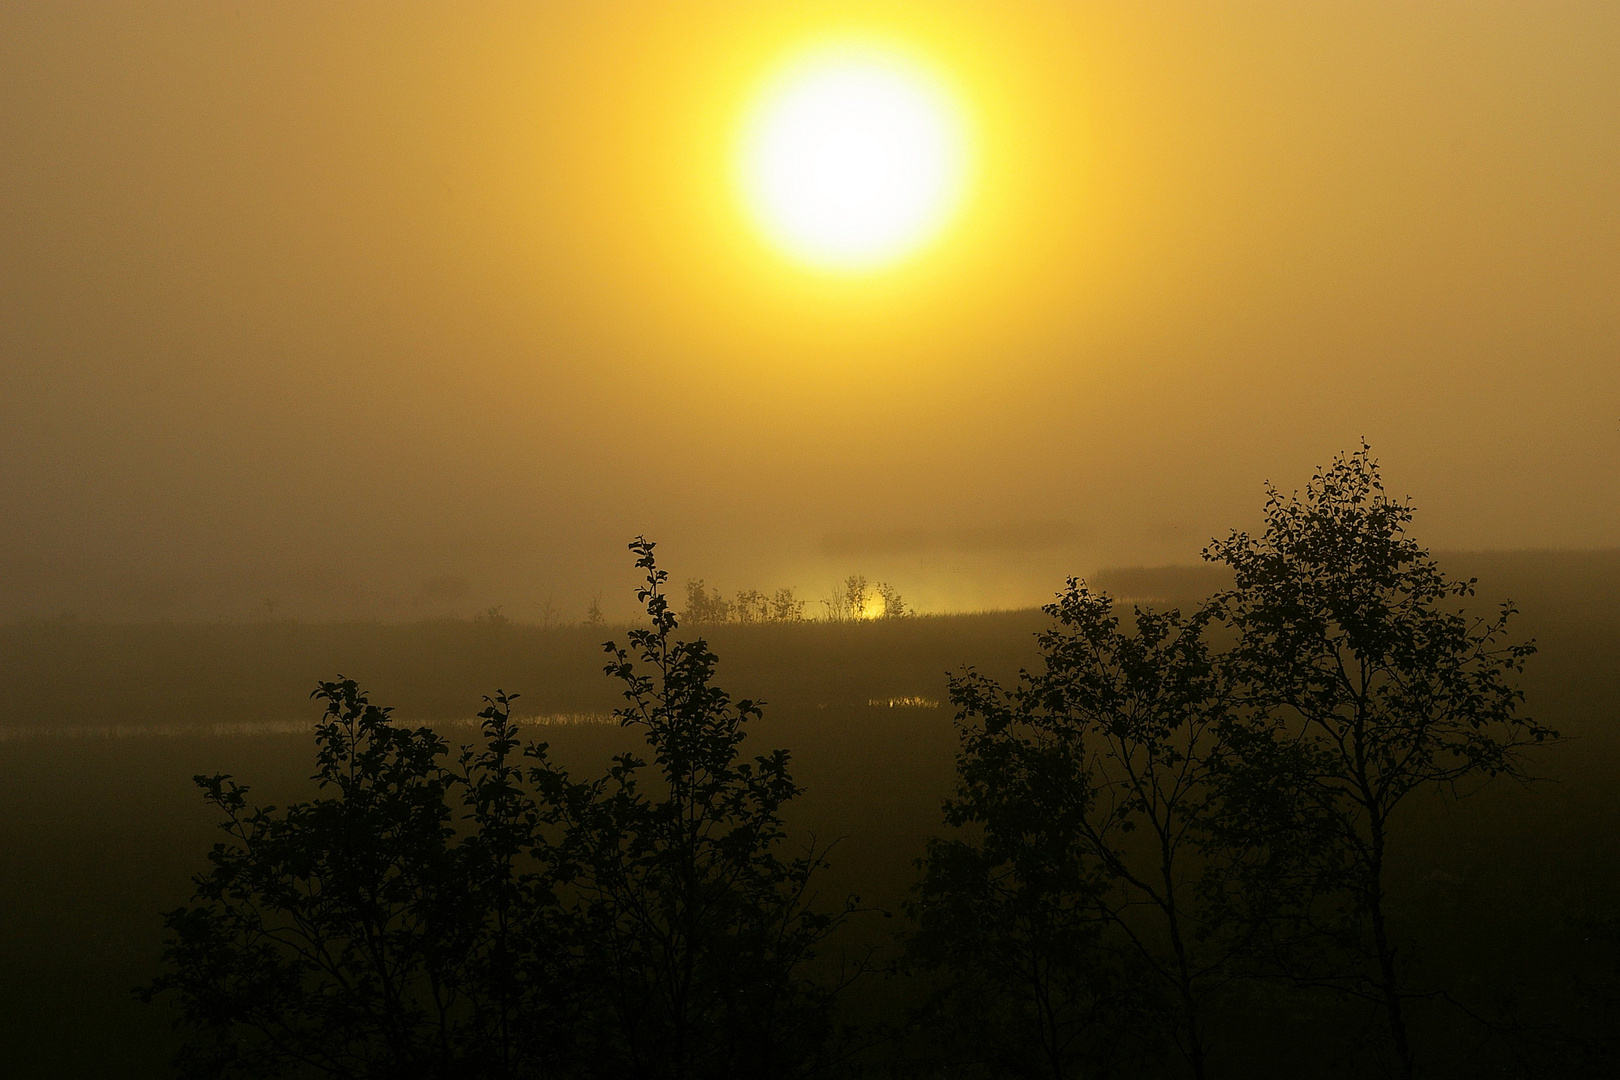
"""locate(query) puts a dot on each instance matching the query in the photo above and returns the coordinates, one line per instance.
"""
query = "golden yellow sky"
(399, 309)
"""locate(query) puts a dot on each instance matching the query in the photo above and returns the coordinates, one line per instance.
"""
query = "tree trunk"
(1389, 983)
(1194, 1052)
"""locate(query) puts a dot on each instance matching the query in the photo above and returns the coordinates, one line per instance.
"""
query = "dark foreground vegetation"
(1177, 834)
(1275, 833)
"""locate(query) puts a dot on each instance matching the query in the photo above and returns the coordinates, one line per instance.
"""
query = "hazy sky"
(402, 309)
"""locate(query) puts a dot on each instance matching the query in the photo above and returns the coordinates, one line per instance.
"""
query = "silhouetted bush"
(497, 918)
(369, 932)
(705, 605)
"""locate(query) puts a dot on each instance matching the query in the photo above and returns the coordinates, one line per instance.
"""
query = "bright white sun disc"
(853, 161)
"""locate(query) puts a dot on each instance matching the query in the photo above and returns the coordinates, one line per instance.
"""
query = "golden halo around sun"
(853, 158)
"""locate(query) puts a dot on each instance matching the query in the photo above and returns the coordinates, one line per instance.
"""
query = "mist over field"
(409, 311)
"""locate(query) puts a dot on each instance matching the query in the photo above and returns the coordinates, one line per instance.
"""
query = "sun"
(853, 158)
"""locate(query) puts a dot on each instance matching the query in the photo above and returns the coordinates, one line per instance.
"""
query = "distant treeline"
(1173, 821)
(855, 599)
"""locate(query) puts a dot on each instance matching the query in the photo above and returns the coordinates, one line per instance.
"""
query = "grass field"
(102, 726)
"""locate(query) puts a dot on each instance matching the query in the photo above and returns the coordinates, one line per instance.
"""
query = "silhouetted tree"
(697, 928)
(705, 605)
(1011, 936)
(1364, 682)
(523, 981)
(352, 935)
(785, 607)
(1096, 769)
(893, 606)
(856, 598)
(750, 606)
